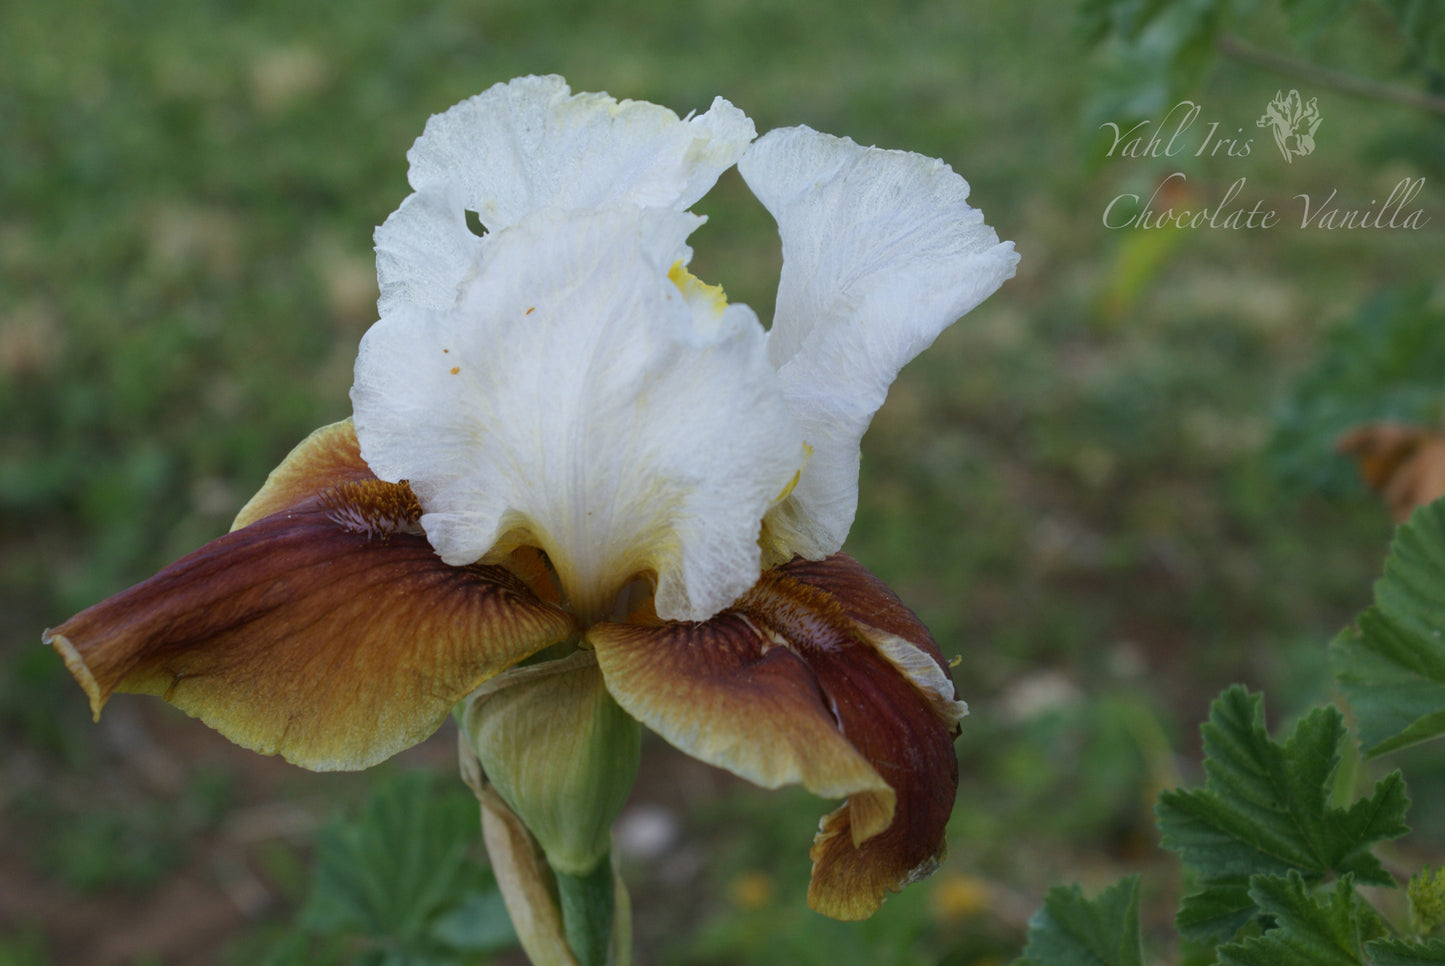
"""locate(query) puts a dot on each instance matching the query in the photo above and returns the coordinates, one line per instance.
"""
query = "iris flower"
(570, 456)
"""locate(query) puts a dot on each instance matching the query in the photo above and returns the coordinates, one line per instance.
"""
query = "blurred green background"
(1105, 489)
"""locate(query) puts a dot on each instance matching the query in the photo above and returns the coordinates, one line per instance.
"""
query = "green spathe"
(560, 752)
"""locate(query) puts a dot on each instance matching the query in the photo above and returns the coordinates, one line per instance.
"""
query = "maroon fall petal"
(819, 659)
(895, 724)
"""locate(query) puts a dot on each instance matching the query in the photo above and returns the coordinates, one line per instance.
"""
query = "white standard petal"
(530, 144)
(424, 251)
(578, 399)
(881, 253)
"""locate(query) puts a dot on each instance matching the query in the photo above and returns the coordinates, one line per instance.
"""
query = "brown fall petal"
(326, 631)
(817, 676)
(330, 456)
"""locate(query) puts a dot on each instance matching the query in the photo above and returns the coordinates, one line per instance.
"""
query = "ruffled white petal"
(881, 253)
(425, 251)
(575, 399)
(530, 144)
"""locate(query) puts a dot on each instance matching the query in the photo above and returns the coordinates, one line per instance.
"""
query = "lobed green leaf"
(1264, 811)
(1071, 930)
(1391, 665)
(1403, 952)
(1305, 932)
(1220, 909)
(403, 877)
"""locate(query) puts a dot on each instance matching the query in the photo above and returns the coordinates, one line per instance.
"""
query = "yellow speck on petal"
(530, 310)
(751, 890)
(958, 896)
(693, 287)
(456, 369)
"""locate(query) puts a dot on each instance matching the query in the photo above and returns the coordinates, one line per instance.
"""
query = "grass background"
(1073, 488)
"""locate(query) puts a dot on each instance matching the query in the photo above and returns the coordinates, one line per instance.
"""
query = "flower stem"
(587, 906)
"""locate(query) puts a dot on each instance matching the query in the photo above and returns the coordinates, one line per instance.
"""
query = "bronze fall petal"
(327, 631)
(330, 456)
(818, 675)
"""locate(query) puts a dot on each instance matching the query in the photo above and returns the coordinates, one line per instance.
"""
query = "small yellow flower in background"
(957, 895)
(751, 890)
(578, 475)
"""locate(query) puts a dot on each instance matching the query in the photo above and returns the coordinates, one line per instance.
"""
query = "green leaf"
(1391, 665)
(404, 875)
(1264, 810)
(1402, 952)
(1218, 910)
(1305, 932)
(1073, 931)
(478, 924)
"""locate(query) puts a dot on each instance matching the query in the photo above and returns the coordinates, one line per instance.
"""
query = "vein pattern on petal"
(326, 630)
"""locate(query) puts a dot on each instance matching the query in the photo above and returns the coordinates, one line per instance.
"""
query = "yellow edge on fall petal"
(329, 454)
(75, 664)
(921, 669)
